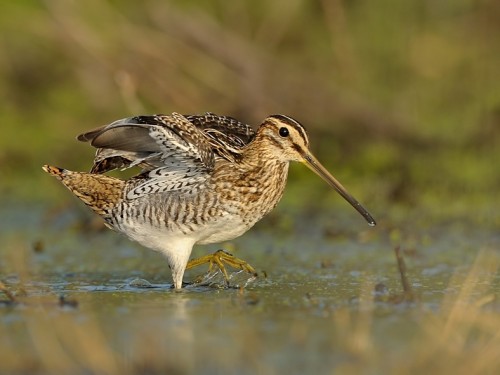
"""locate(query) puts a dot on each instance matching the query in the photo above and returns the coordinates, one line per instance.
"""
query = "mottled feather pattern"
(189, 138)
(174, 147)
(107, 159)
(101, 193)
(225, 124)
(162, 180)
(199, 136)
(204, 178)
(182, 149)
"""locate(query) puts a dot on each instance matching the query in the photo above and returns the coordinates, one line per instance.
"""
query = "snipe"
(204, 179)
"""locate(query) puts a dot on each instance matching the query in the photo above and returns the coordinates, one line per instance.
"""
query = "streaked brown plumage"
(204, 179)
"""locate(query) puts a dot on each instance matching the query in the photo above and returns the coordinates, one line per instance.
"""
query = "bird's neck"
(259, 159)
(262, 171)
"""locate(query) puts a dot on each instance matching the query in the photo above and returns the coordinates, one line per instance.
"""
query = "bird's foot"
(217, 260)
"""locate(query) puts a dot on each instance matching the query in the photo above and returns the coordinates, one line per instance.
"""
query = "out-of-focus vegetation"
(401, 99)
(402, 103)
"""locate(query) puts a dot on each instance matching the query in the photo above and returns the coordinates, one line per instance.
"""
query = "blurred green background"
(401, 98)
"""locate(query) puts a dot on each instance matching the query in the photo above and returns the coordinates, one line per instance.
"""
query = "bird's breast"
(251, 193)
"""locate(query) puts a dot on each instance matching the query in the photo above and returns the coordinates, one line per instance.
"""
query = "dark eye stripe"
(276, 142)
(297, 148)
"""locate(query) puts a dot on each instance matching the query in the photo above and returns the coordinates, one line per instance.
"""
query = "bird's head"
(286, 140)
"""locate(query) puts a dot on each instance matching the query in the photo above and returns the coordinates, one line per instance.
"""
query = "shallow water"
(328, 296)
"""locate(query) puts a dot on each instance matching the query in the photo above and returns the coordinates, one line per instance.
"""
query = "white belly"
(224, 229)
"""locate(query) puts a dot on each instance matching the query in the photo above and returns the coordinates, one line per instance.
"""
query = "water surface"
(328, 297)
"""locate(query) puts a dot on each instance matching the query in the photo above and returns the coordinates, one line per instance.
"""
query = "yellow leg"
(218, 259)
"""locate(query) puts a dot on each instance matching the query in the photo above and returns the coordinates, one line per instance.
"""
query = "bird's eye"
(284, 132)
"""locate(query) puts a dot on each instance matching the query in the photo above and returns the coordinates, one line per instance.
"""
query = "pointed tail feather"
(54, 171)
(101, 193)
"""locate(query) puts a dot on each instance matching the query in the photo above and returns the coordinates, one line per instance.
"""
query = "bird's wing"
(241, 133)
(174, 154)
(226, 135)
(125, 143)
(163, 136)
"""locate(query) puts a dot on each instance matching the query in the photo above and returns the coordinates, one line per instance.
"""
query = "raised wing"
(175, 152)
(150, 137)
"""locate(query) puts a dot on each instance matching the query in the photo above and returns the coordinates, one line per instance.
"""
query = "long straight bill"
(321, 171)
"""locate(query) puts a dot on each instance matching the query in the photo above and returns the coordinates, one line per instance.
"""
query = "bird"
(202, 179)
